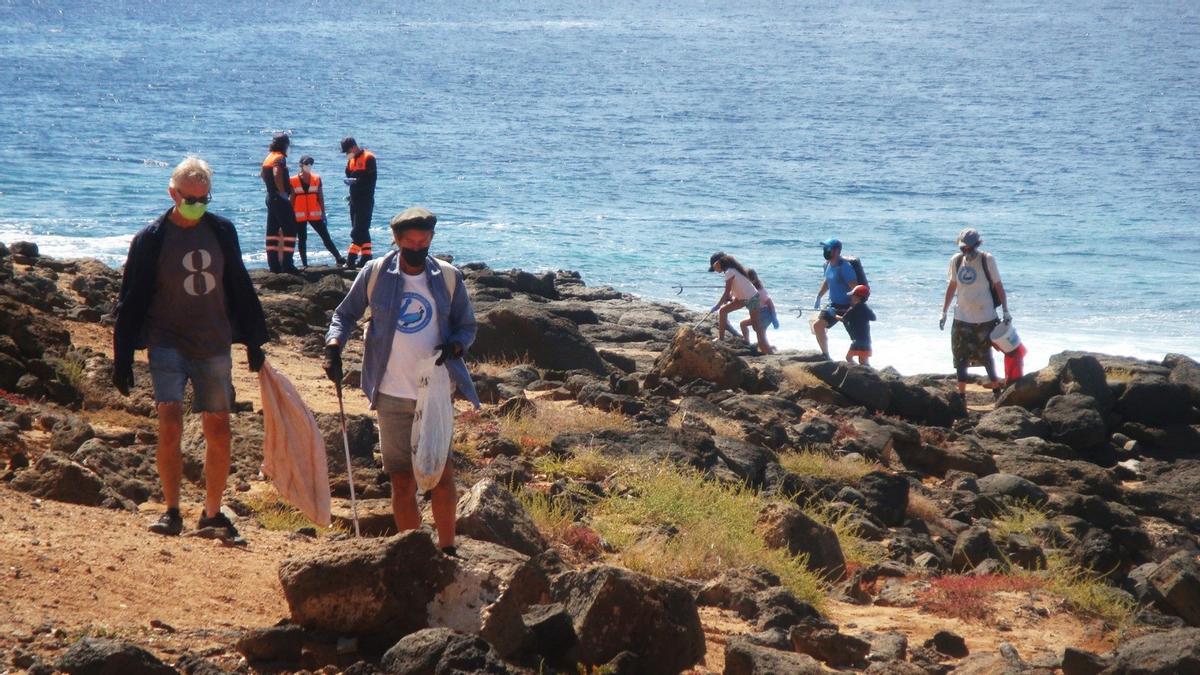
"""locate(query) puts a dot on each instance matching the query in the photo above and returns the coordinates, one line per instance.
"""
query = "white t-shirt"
(973, 298)
(414, 339)
(741, 289)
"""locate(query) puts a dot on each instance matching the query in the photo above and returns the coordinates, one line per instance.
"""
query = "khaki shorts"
(395, 432)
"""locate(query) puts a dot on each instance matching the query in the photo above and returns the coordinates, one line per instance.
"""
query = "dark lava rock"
(1170, 653)
(658, 619)
(58, 478)
(441, 651)
(97, 656)
(1157, 404)
(1177, 581)
(1081, 662)
(277, 643)
(1075, 420)
(948, 643)
(786, 526)
(743, 657)
(1012, 489)
(973, 546)
(886, 496)
(489, 512)
(1011, 422)
(516, 330)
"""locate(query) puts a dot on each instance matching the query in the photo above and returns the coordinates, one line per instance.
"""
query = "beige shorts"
(395, 432)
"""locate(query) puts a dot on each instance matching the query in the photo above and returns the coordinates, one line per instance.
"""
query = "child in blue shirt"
(857, 320)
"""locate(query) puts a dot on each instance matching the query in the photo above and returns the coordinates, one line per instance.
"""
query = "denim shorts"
(212, 379)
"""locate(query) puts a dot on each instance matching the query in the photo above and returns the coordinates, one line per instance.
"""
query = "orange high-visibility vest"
(305, 202)
(359, 163)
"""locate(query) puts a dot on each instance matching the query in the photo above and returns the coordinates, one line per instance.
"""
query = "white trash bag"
(433, 424)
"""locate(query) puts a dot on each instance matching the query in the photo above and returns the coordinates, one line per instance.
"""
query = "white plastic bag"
(293, 448)
(433, 424)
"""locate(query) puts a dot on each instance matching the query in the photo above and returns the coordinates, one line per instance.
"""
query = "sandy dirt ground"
(92, 571)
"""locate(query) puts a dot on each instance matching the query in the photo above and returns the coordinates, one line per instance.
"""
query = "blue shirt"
(841, 280)
(455, 320)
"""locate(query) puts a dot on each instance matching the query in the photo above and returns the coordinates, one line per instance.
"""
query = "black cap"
(415, 218)
(712, 260)
(307, 159)
(347, 143)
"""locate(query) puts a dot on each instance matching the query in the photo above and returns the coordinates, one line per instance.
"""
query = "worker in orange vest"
(308, 203)
(281, 224)
(360, 176)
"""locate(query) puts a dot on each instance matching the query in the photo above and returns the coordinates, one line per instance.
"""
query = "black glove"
(333, 363)
(122, 377)
(255, 355)
(450, 350)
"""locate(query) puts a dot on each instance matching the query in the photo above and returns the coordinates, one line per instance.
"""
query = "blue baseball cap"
(831, 243)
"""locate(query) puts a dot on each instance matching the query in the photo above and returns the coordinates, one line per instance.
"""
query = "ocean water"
(629, 140)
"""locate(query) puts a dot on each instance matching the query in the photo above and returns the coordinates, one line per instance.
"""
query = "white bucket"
(1005, 337)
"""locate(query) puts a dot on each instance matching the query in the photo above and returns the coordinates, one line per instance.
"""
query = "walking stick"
(349, 466)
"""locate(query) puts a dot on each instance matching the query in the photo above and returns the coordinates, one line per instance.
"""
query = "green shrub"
(671, 522)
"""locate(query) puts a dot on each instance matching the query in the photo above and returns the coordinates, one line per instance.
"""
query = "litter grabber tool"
(349, 466)
(679, 287)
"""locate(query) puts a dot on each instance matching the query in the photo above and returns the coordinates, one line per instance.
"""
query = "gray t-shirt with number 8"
(188, 312)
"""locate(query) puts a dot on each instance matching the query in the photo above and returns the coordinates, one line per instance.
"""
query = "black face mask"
(828, 253)
(414, 257)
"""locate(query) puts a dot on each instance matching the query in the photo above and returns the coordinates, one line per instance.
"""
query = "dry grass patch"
(671, 522)
(721, 426)
(1086, 593)
(800, 378)
(1081, 589)
(1020, 518)
(855, 549)
(495, 367)
(584, 463)
(553, 418)
(271, 512)
(921, 506)
(825, 465)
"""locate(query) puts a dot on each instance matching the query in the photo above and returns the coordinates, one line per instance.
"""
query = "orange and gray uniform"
(308, 203)
(361, 167)
(281, 224)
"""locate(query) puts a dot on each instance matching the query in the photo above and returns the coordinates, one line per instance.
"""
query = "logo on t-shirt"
(199, 281)
(967, 275)
(415, 313)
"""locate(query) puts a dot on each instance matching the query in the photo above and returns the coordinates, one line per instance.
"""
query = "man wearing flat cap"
(973, 283)
(419, 308)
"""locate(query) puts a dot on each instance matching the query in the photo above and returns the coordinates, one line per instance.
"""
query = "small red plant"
(15, 399)
(583, 540)
(967, 597)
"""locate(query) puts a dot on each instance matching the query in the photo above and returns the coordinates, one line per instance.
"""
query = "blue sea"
(630, 140)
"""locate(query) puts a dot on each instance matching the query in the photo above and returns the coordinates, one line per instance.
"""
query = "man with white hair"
(186, 296)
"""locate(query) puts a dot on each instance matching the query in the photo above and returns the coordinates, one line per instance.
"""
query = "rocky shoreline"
(1076, 491)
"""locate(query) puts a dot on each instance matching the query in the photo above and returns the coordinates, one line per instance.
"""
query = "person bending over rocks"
(766, 308)
(419, 308)
(739, 293)
(186, 295)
